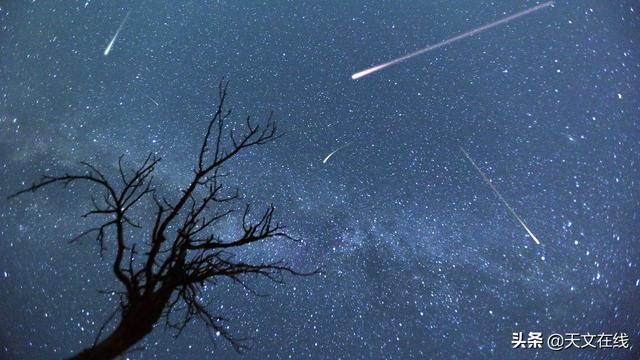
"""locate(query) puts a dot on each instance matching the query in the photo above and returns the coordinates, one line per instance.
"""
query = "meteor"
(488, 181)
(150, 98)
(334, 151)
(113, 39)
(451, 40)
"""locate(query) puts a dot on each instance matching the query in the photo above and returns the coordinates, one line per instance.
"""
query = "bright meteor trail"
(488, 181)
(333, 152)
(113, 39)
(451, 40)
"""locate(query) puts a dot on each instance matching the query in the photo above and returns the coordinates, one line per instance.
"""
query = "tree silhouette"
(163, 276)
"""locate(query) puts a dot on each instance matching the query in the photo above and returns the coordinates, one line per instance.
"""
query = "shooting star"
(488, 181)
(451, 40)
(113, 39)
(149, 97)
(333, 152)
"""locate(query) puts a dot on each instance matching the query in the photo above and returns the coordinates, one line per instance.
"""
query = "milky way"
(419, 258)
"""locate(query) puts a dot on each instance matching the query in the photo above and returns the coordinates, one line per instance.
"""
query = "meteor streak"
(488, 181)
(150, 98)
(113, 39)
(334, 151)
(450, 40)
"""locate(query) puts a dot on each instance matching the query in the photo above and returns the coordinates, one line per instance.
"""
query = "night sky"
(420, 257)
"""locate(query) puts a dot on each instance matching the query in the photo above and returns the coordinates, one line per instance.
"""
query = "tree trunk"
(135, 324)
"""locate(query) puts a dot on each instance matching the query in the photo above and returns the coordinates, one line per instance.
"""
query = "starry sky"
(420, 258)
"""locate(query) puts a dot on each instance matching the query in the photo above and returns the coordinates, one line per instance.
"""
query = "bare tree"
(163, 276)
